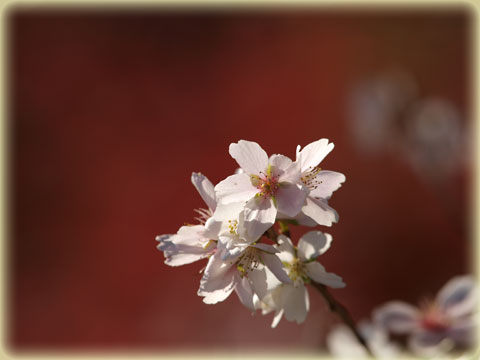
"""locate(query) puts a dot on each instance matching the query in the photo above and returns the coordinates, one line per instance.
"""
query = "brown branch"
(338, 308)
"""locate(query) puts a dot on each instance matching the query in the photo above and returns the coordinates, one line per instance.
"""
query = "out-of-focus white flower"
(191, 242)
(321, 183)
(376, 106)
(434, 138)
(437, 326)
(266, 186)
(342, 343)
(291, 300)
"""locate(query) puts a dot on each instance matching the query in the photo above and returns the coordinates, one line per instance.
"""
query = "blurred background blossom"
(110, 112)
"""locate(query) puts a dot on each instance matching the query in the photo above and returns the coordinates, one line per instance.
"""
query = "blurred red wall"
(109, 114)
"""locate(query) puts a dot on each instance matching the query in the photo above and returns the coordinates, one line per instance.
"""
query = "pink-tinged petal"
(218, 280)
(235, 188)
(320, 211)
(312, 154)
(280, 163)
(258, 281)
(398, 317)
(259, 216)
(205, 188)
(313, 244)
(274, 264)
(277, 318)
(317, 273)
(290, 199)
(250, 156)
(225, 212)
(296, 303)
(459, 296)
(327, 183)
(430, 344)
(245, 293)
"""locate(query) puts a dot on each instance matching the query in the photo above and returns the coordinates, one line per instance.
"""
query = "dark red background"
(109, 114)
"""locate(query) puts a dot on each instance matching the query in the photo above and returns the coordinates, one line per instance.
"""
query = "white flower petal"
(459, 296)
(274, 264)
(258, 281)
(218, 280)
(292, 174)
(328, 182)
(250, 156)
(205, 189)
(265, 248)
(245, 293)
(285, 246)
(313, 244)
(320, 211)
(398, 317)
(164, 241)
(259, 216)
(290, 199)
(235, 188)
(277, 318)
(317, 273)
(300, 218)
(280, 163)
(185, 247)
(225, 212)
(296, 303)
(213, 228)
(312, 154)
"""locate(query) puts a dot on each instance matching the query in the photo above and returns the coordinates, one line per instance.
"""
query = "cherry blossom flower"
(192, 243)
(244, 272)
(291, 300)
(321, 183)
(437, 326)
(266, 186)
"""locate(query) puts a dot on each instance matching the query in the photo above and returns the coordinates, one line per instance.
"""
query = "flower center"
(296, 271)
(249, 261)
(233, 227)
(309, 178)
(433, 318)
(267, 183)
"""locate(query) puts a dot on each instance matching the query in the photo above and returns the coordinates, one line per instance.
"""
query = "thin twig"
(335, 306)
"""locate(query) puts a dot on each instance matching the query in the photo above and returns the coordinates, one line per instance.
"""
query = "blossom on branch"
(291, 300)
(266, 186)
(439, 325)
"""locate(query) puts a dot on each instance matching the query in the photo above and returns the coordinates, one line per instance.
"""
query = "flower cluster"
(236, 233)
(438, 327)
